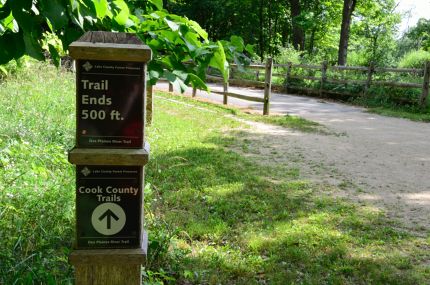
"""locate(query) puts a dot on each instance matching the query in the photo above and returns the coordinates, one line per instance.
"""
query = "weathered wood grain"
(93, 156)
(240, 96)
(268, 86)
(425, 87)
(109, 266)
(110, 46)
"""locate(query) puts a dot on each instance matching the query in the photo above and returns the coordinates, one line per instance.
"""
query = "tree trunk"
(285, 34)
(311, 42)
(374, 48)
(270, 27)
(298, 34)
(275, 32)
(348, 9)
(166, 5)
(261, 36)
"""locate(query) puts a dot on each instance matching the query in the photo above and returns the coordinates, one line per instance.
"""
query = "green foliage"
(358, 58)
(415, 59)
(321, 22)
(182, 50)
(287, 55)
(181, 47)
(36, 181)
(418, 37)
(269, 25)
(373, 32)
(395, 102)
(236, 50)
(11, 67)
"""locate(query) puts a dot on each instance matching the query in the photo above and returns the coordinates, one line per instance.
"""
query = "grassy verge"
(380, 103)
(214, 216)
(413, 114)
(287, 121)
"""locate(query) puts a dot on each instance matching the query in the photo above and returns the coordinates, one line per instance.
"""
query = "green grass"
(36, 181)
(288, 121)
(234, 225)
(380, 104)
(213, 216)
(401, 112)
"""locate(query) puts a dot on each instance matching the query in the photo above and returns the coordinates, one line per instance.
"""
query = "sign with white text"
(108, 206)
(110, 104)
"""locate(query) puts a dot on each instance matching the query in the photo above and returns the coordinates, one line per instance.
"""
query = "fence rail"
(240, 96)
(368, 73)
(267, 85)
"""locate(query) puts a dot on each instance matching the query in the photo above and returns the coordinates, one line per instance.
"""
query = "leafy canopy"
(181, 48)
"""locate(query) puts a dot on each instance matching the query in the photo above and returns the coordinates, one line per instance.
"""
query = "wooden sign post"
(110, 156)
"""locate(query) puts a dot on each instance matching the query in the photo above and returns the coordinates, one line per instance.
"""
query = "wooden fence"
(266, 85)
(319, 74)
(369, 72)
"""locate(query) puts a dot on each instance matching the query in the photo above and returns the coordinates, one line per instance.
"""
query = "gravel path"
(386, 160)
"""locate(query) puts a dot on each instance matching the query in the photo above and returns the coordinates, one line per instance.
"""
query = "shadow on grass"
(238, 225)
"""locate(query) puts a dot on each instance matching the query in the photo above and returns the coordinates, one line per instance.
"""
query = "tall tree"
(321, 22)
(261, 31)
(420, 34)
(298, 33)
(348, 9)
(374, 37)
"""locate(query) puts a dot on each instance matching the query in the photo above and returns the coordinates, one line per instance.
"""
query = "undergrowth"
(36, 181)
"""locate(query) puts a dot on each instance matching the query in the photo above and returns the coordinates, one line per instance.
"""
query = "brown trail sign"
(109, 110)
(110, 156)
(108, 206)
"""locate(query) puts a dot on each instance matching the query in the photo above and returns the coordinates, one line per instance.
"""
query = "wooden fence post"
(287, 78)
(268, 86)
(149, 104)
(425, 93)
(170, 87)
(323, 76)
(225, 89)
(110, 241)
(370, 71)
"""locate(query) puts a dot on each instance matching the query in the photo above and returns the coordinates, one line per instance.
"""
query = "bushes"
(415, 59)
(287, 55)
(11, 67)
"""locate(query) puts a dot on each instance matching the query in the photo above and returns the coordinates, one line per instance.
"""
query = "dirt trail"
(385, 161)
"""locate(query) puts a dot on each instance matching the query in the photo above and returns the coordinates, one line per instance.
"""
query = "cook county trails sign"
(108, 206)
(110, 156)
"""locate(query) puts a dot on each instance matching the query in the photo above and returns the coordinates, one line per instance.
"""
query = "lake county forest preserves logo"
(87, 66)
(86, 171)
